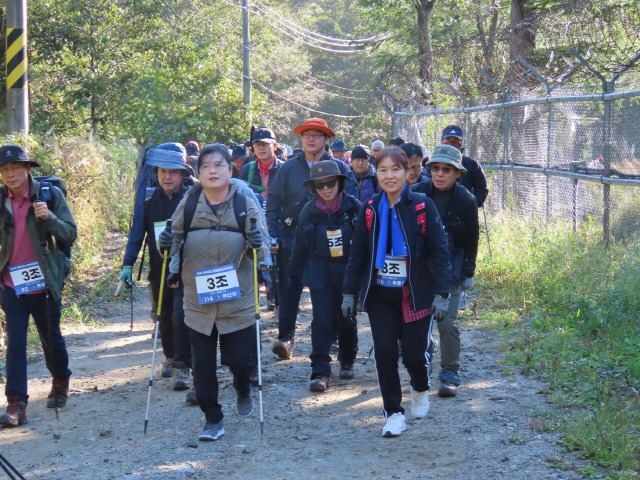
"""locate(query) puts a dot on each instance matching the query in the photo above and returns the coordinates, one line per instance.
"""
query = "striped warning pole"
(17, 84)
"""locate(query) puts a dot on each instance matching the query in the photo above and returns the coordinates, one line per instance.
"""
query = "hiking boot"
(181, 379)
(419, 403)
(271, 299)
(16, 413)
(192, 399)
(284, 348)
(211, 432)
(346, 371)
(395, 425)
(319, 383)
(59, 392)
(447, 389)
(167, 368)
(244, 405)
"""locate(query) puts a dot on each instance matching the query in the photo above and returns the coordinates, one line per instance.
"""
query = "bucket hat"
(15, 153)
(323, 169)
(314, 124)
(447, 154)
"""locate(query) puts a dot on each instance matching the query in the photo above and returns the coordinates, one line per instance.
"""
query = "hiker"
(459, 214)
(376, 147)
(364, 172)
(318, 259)
(218, 282)
(415, 157)
(473, 178)
(33, 266)
(260, 174)
(339, 150)
(287, 196)
(168, 160)
(399, 245)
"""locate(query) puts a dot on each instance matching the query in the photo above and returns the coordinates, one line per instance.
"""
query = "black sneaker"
(346, 371)
(319, 383)
(447, 389)
(211, 432)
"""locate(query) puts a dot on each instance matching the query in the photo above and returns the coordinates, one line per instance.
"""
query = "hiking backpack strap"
(252, 171)
(239, 210)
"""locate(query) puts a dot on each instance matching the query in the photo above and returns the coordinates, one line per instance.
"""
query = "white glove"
(440, 307)
(468, 283)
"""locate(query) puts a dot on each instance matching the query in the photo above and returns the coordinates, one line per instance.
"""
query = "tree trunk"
(425, 9)
(523, 34)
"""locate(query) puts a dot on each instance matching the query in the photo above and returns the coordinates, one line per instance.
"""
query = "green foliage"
(569, 310)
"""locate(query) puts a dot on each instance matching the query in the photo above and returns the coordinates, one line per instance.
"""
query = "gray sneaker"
(181, 378)
(211, 432)
(244, 405)
(167, 368)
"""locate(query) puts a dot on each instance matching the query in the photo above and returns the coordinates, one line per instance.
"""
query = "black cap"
(452, 131)
(264, 134)
(360, 151)
(15, 153)
(239, 152)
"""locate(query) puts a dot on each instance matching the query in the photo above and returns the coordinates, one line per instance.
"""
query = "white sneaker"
(419, 403)
(395, 425)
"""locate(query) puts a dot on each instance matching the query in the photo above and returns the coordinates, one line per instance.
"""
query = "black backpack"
(239, 210)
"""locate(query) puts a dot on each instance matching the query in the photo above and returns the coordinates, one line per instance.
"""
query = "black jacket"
(473, 179)
(311, 259)
(429, 271)
(287, 191)
(460, 218)
(157, 207)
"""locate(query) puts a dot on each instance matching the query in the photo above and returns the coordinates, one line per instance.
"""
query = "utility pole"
(246, 60)
(17, 84)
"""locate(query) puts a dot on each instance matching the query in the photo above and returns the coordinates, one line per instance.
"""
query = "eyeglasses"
(312, 136)
(328, 184)
(213, 166)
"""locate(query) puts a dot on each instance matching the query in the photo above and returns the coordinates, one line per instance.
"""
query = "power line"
(332, 85)
(301, 105)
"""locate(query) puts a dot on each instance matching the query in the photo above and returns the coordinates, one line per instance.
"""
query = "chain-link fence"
(569, 153)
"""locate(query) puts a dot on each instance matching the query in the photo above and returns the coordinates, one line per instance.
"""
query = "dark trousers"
(236, 351)
(387, 327)
(166, 314)
(288, 299)
(17, 310)
(181, 342)
(327, 312)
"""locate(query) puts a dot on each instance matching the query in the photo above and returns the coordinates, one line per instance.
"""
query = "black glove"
(174, 278)
(165, 241)
(254, 237)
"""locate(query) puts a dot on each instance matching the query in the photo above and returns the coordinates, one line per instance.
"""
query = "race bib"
(217, 284)
(394, 272)
(158, 227)
(27, 277)
(334, 238)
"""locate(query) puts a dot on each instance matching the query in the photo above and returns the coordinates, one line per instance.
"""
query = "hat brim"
(300, 129)
(309, 181)
(29, 162)
(449, 135)
(265, 140)
(448, 161)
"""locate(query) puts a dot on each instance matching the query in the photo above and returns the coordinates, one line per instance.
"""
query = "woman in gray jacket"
(218, 283)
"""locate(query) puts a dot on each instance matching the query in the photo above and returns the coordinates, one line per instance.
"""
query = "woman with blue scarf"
(400, 245)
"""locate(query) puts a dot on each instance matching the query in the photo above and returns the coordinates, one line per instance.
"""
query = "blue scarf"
(398, 246)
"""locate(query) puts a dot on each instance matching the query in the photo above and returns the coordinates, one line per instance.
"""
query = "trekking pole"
(144, 247)
(276, 272)
(486, 228)
(255, 288)
(165, 255)
(8, 469)
(130, 287)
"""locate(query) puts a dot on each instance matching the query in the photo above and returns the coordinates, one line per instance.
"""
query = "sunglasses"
(321, 185)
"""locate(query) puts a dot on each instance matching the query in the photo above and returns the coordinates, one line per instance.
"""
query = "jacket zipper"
(413, 302)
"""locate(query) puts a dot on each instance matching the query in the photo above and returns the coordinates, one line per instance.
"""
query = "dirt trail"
(484, 433)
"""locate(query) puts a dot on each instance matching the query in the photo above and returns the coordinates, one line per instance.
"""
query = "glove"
(165, 241)
(254, 237)
(468, 283)
(125, 276)
(174, 278)
(293, 283)
(440, 306)
(348, 305)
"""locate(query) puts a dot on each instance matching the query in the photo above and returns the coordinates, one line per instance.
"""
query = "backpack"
(239, 210)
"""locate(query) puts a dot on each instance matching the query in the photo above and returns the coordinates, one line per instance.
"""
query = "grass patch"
(568, 311)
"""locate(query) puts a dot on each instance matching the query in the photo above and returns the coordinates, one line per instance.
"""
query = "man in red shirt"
(33, 266)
